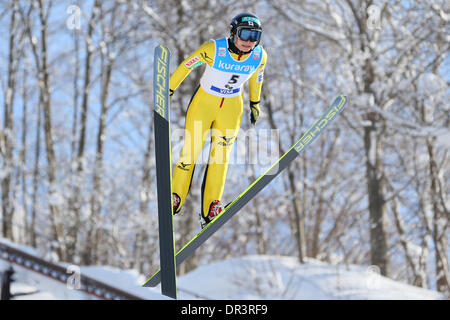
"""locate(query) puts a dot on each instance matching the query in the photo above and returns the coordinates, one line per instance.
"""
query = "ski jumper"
(216, 107)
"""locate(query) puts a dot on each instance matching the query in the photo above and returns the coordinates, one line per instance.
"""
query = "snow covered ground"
(277, 277)
(249, 277)
(37, 286)
(32, 286)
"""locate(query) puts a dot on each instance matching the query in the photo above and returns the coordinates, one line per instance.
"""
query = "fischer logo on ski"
(162, 82)
(320, 124)
(161, 120)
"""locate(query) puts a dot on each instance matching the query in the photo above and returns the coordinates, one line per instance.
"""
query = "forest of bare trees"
(77, 165)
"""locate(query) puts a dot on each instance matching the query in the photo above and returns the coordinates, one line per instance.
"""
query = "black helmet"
(247, 22)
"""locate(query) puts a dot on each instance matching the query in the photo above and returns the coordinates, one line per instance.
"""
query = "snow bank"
(127, 280)
(249, 277)
(32, 285)
(277, 277)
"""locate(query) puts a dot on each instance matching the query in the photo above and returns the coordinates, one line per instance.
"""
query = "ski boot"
(176, 203)
(215, 209)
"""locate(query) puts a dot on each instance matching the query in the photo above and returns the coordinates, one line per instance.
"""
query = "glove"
(254, 112)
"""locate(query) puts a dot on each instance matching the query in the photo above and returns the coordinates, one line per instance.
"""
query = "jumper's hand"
(254, 112)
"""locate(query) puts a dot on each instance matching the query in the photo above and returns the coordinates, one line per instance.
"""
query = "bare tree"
(75, 201)
(7, 138)
(39, 49)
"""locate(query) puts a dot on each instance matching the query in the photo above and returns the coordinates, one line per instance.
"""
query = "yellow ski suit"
(216, 107)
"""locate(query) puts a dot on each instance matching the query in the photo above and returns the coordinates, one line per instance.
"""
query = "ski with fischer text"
(164, 170)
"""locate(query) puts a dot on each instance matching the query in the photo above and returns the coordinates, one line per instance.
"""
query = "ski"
(313, 132)
(161, 120)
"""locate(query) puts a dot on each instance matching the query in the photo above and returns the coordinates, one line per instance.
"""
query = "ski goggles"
(246, 34)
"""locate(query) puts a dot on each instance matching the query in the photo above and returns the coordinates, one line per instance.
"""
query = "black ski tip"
(153, 281)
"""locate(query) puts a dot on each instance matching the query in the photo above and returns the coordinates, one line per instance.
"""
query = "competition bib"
(227, 76)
